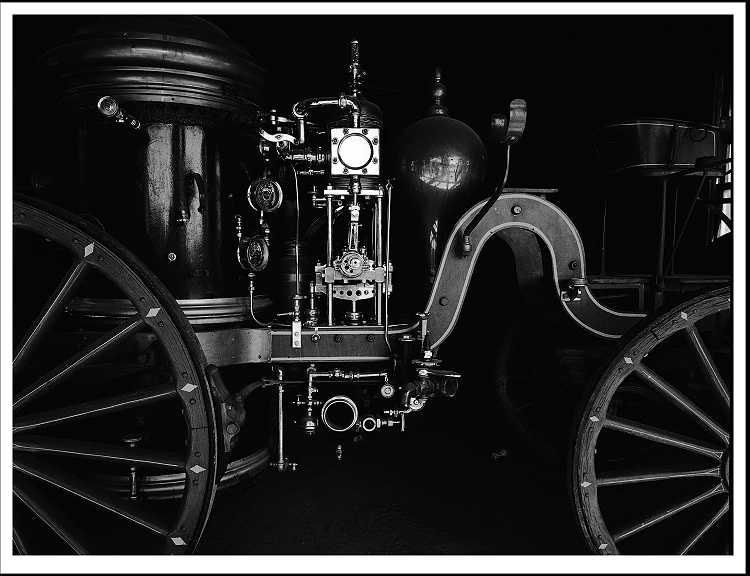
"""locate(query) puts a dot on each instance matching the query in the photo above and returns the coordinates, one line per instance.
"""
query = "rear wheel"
(652, 460)
(134, 400)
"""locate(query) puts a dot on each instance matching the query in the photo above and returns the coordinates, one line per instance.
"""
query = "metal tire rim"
(41, 479)
(706, 509)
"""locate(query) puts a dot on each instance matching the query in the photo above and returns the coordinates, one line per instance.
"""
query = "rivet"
(370, 338)
(573, 264)
(374, 140)
(192, 400)
(171, 256)
(346, 170)
(337, 338)
(335, 160)
(364, 170)
(346, 130)
(443, 300)
(515, 210)
(197, 454)
(364, 131)
(161, 324)
(334, 140)
(374, 160)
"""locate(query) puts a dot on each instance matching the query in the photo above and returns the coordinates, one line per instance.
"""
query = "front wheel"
(652, 460)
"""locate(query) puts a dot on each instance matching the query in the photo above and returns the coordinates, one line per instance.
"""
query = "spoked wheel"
(88, 405)
(652, 463)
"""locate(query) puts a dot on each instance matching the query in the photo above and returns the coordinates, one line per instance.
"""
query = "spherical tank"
(442, 164)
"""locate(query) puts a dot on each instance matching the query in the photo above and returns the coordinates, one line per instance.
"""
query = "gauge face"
(253, 253)
(355, 151)
(257, 254)
(265, 195)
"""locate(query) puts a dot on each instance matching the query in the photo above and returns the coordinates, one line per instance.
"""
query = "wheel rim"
(65, 433)
(652, 457)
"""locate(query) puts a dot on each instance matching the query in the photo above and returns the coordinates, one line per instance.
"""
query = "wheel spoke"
(93, 408)
(98, 451)
(60, 373)
(681, 401)
(660, 436)
(124, 508)
(707, 363)
(51, 309)
(19, 543)
(718, 489)
(693, 540)
(619, 480)
(50, 513)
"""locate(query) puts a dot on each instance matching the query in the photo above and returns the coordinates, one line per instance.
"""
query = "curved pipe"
(335, 401)
(557, 232)
(302, 108)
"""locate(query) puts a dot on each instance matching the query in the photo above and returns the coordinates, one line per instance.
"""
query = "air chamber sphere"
(442, 164)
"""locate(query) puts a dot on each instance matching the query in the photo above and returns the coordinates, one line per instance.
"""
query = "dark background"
(435, 490)
(575, 72)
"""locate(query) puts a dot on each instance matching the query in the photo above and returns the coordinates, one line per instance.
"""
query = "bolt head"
(516, 210)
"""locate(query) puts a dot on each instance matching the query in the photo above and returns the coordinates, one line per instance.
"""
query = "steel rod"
(718, 489)
(693, 540)
(99, 451)
(707, 363)
(619, 480)
(53, 307)
(660, 436)
(49, 512)
(93, 408)
(678, 399)
(66, 369)
(83, 490)
(19, 543)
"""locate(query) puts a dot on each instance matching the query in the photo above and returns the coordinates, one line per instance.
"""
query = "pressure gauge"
(265, 195)
(253, 253)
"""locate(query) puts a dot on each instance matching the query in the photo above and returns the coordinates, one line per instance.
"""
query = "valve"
(110, 108)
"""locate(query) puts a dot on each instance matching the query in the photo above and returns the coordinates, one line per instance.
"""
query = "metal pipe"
(302, 108)
(329, 256)
(379, 256)
(339, 400)
(280, 463)
(389, 189)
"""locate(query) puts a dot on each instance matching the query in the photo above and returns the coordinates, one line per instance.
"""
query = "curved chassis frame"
(553, 227)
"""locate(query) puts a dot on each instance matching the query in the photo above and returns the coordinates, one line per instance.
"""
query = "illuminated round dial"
(355, 151)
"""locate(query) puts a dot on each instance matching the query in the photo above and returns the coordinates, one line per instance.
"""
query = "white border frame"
(370, 564)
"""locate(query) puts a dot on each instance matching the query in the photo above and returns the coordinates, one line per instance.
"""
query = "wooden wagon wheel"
(73, 421)
(651, 463)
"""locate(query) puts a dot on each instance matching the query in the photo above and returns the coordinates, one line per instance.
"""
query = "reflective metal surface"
(442, 166)
(169, 59)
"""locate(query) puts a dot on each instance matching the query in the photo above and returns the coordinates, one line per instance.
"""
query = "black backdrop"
(576, 73)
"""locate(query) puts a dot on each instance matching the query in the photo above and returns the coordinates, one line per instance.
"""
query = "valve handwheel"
(86, 405)
(651, 467)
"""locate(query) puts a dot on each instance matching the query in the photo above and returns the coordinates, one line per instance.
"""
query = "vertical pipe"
(329, 256)
(379, 257)
(329, 241)
(280, 463)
